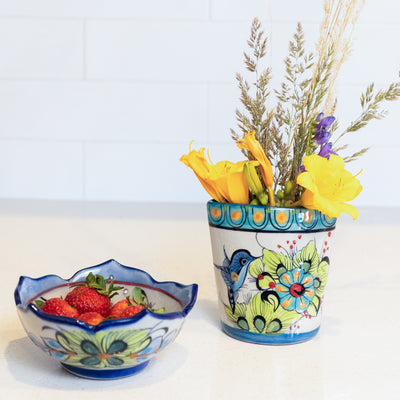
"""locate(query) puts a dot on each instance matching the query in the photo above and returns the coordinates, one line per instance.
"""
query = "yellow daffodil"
(250, 143)
(328, 186)
(224, 181)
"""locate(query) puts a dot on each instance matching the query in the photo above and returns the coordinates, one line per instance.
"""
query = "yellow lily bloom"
(201, 167)
(224, 181)
(231, 181)
(328, 186)
(250, 143)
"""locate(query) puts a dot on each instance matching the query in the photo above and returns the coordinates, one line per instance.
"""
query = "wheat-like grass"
(285, 131)
(336, 31)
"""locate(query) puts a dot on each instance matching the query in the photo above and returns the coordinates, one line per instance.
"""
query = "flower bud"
(263, 199)
(252, 178)
(254, 182)
(288, 189)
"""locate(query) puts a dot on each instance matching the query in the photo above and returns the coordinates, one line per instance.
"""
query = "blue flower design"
(49, 346)
(159, 339)
(295, 290)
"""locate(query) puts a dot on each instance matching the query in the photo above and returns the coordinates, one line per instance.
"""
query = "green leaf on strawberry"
(159, 310)
(140, 298)
(99, 283)
(39, 303)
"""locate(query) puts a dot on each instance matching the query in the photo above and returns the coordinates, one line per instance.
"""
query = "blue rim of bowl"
(77, 277)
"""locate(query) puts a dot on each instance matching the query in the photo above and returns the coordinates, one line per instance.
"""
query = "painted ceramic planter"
(115, 348)
(271, 267)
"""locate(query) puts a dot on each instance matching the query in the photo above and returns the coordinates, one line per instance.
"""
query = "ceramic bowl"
(117, 347)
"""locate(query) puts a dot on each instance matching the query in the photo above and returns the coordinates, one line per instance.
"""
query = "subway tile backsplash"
(98, 99)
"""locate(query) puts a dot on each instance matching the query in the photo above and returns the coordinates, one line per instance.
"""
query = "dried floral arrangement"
(293, 148)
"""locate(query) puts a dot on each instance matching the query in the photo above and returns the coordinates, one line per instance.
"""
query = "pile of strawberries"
(91, 302)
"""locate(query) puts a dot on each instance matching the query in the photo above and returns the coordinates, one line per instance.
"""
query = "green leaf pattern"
(103, 349)
(261, 317)
(276, 263)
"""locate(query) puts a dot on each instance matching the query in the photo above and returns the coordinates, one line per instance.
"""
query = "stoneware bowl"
(117, 347)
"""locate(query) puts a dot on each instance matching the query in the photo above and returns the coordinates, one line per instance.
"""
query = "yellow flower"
(328, 186)
(201, 167)
(224, 181)
(250, 143)
(230, 180)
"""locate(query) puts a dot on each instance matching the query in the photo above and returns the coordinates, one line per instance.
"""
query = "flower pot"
(271, 267)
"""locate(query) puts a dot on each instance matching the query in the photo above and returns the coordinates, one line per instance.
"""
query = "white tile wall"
(41, 169)
(99, 98)
(92, 110)
(126, 171)
(176, 51)
(374, 58)
(294, 10)
(154, 9)
(377, 176)
(245, 10)
(41, 49)
(222, 101)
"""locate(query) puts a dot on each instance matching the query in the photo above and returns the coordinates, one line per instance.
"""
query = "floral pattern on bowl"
(117, 347)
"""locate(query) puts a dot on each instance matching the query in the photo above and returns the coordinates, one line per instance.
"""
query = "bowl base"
(104, 373)
(260, 338)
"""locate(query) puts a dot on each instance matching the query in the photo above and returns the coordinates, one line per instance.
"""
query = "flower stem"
(271, 196)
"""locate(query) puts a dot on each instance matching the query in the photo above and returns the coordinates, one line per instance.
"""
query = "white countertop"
(354, 356)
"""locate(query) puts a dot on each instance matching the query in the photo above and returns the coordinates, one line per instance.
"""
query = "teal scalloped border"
(246, 217)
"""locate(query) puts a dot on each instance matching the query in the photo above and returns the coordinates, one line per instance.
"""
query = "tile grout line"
(208, 128)
(84, 167)
(133, 81)
(173, 20)
(84, 49)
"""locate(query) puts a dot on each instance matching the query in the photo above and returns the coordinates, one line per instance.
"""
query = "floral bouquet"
(273, 214)
(294, 155)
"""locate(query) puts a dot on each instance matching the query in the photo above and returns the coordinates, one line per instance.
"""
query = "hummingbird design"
(234, 271)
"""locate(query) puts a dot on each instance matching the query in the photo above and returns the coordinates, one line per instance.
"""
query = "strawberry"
(92, 296)
(86, 299)
(57, 306)
(93, 318)
(118, 308)
(132, 310)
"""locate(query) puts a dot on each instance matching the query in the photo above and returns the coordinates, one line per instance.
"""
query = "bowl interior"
(157, 298)
(177, 299)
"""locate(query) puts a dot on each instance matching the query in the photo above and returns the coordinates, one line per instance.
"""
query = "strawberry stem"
(98, 283)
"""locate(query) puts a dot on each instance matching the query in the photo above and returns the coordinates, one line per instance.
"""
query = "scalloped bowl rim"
(154, 284)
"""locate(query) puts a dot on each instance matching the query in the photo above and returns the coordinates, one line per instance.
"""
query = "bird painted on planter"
(234, 272)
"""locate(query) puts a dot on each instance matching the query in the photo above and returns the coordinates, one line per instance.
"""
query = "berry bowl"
(115, 347)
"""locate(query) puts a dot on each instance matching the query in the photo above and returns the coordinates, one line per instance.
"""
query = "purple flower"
(321, 133)
(322, 136)
(326, 150)
(325, 122)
